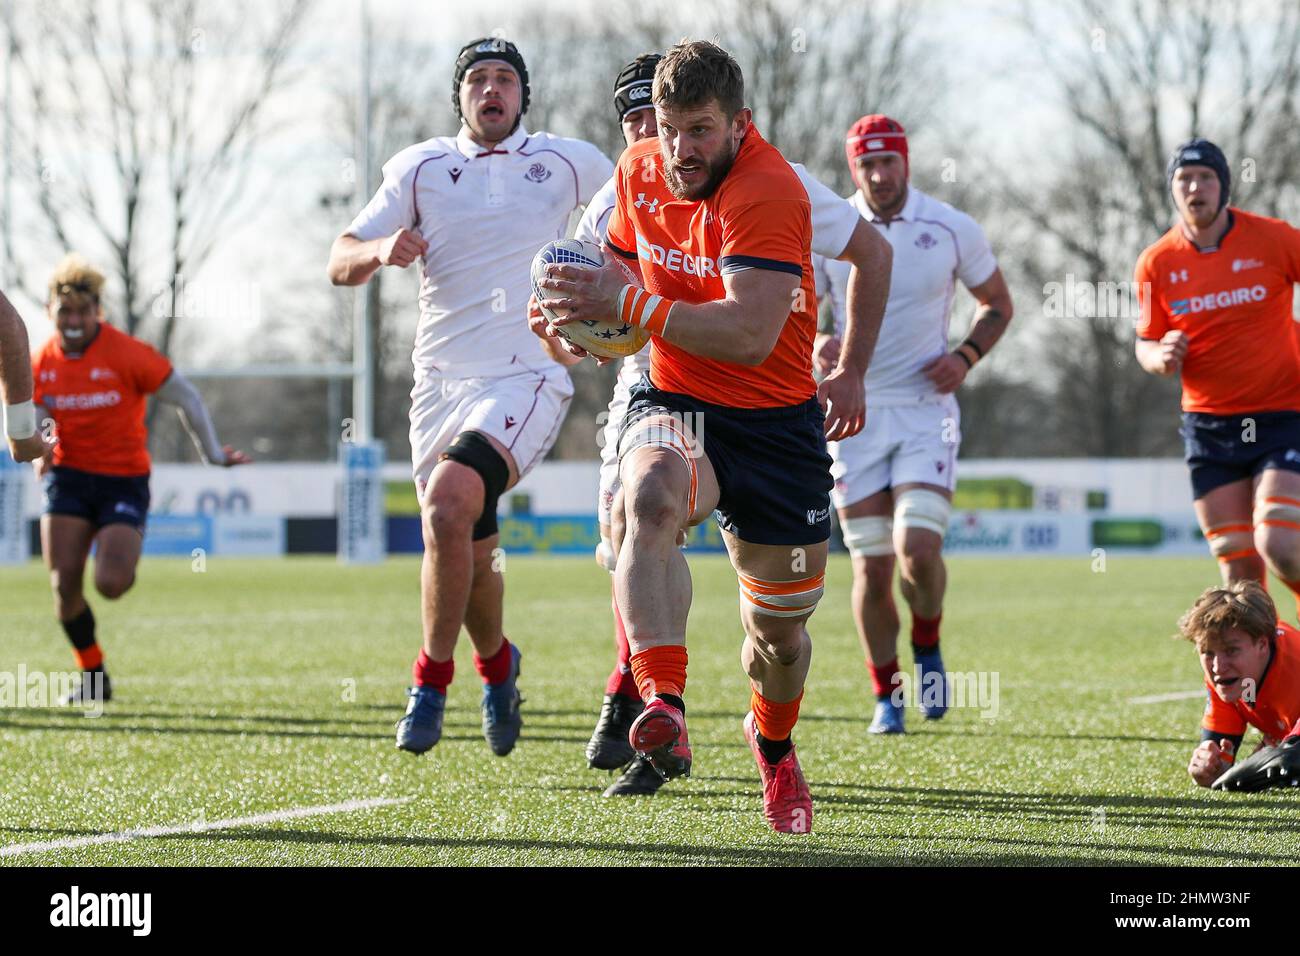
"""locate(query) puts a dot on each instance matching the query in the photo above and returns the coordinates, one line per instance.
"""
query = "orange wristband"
(639, 307)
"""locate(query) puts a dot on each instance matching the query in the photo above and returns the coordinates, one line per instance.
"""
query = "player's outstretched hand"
(842, 396)
(30, 449)
(947, 372)
(1210, 760)
(234, 458)
(1267, 767)
(402, 248)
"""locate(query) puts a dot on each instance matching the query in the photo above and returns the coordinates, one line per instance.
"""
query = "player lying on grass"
(25, 440)
(1252, 677)
(1216, 293)
(729, 419)
(91, 380)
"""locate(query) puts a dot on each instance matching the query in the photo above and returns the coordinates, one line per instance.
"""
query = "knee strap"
(1278, 512)
(924, 509)
(782, 598)
(1231, 541)
(664, 433)
(872, 536)
(473, 450)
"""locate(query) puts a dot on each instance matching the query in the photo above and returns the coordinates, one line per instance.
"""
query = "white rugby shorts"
(523, 412)
(901, 444)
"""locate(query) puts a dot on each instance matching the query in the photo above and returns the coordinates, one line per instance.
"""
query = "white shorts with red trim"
(901, 444)
(523, 412)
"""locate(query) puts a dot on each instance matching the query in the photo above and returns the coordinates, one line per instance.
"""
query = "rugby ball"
(606, 339)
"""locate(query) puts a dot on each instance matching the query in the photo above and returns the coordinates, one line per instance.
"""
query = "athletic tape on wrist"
(20, 420)
(639, 307)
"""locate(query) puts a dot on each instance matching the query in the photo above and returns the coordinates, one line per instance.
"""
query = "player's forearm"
(867, 295)
(178, 391)
(990, 322)
(15, 357)
(353, 261)
(726, 330)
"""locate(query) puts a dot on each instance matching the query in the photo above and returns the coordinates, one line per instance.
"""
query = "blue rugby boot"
(932, 694)
(421, 728)
(888, 718)
(501, 720)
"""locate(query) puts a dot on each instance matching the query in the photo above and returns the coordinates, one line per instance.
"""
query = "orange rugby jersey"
(97, 400)
(1277, 699)
(759, 218)
(1234, 304)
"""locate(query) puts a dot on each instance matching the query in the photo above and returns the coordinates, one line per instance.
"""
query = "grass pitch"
(257, 689)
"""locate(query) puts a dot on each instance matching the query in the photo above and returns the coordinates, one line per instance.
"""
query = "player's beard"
(716, 170)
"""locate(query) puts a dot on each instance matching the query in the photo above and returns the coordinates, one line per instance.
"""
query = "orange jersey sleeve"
(1153, 320)
(1221, 717)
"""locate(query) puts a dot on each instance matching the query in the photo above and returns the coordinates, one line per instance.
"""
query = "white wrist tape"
(20, 420)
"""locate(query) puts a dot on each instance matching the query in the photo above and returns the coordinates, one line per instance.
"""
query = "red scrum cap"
(873, 135)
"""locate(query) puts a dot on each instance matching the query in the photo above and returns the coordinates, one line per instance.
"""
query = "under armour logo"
(510, 422)
(652, 205)
(1177, 275)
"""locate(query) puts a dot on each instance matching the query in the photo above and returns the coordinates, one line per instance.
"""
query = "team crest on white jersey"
(537, 173)
(926, 241)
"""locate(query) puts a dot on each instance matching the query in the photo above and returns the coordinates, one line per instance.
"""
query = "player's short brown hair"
(696, 71)
(76, 281)
(1244, 606)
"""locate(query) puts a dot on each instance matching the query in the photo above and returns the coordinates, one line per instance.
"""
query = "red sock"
(620, 678)
(496, 668)
(426, 672)
(925, 631)
(882, 678)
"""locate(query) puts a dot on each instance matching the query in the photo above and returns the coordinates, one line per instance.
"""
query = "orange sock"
(775, 719)
(90, 658)
(660, 670)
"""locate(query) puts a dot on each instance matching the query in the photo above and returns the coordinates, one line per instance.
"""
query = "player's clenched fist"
(1173, 349)
(1210, 761)
(402, 248)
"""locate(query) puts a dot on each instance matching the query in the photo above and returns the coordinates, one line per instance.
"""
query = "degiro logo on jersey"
(58, 403)
(1218, 300)
(674, 260)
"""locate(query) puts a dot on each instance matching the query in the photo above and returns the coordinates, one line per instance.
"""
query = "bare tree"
(133, 123)
(1134, 79)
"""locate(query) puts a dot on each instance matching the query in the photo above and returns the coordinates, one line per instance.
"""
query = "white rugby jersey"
(833, 222)
(934, 245)
(484, 214)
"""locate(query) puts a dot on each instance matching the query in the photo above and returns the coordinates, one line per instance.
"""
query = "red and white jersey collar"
(472, 150)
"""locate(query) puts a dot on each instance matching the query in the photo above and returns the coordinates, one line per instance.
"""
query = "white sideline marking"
(1165, 698)
(68, 843)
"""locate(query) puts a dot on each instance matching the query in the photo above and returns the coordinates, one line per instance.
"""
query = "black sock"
(81, 630)
(773, 750)
(674, 700)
